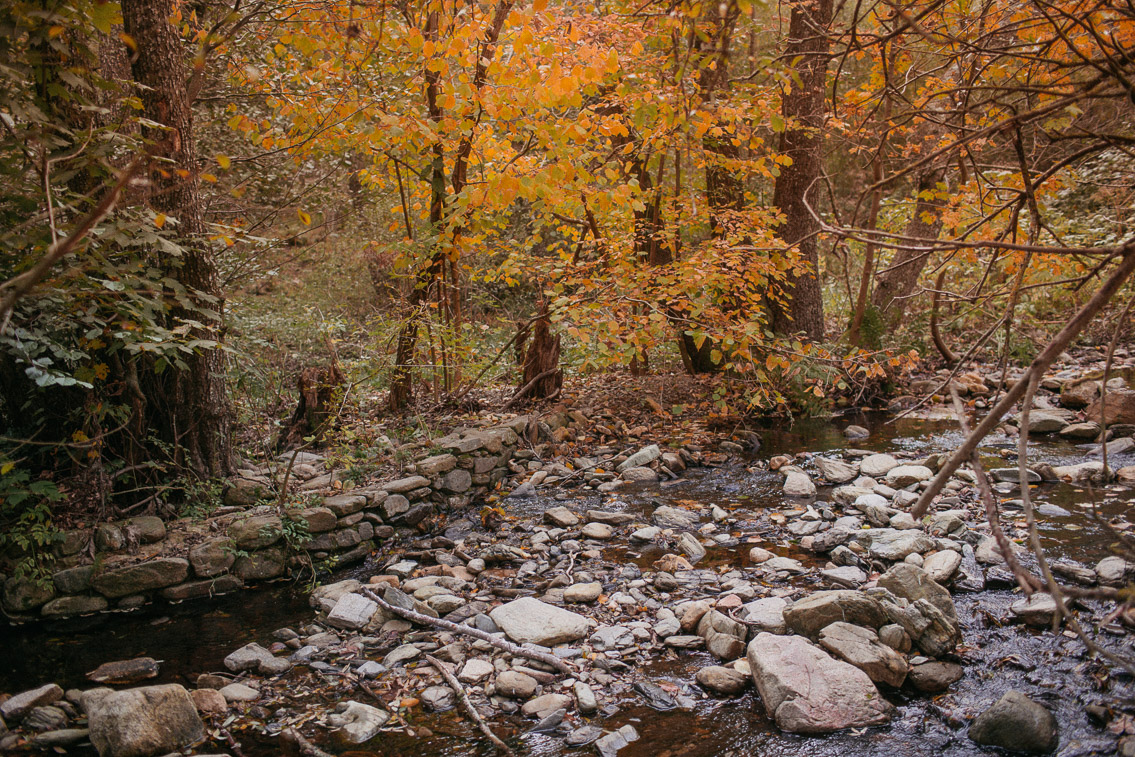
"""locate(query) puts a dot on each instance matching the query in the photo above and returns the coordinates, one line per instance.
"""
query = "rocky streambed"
(748, 605)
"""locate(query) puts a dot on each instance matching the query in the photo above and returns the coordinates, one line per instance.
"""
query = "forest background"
(399, 203)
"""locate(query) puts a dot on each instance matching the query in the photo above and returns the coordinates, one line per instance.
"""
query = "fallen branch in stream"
(302, 745)
(1045, 359)
(476, 633)
(467, 705)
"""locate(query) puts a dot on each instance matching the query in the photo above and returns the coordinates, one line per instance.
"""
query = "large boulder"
(143, 722)
(931, 630)
(1080, 395)
(1119, 407)
(140, 578)
(903, 476)
(894, 545)
(861, 647)
(1016, 723)
(797, 484)
(1049, 421)
(812, 614)
(913, 583)
(805, 690)
(877, 466)
(529, 621)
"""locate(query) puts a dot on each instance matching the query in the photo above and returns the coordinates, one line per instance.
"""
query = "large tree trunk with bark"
(188, 408)
(803, 109)
(895, 285)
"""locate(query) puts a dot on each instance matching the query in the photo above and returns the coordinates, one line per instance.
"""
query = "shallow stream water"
(194, 637)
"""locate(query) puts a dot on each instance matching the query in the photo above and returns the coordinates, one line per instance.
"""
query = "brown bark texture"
(189, 408)
(803, 109)
(894, 287)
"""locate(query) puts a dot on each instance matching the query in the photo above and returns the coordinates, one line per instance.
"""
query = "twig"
(476, 633)
(467, 705)
(234, 745)
(1046, 358)
(523, 391)
(305, 747)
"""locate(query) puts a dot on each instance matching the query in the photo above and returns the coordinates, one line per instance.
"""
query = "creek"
(194, 637)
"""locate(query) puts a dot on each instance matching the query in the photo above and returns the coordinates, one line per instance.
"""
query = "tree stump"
(317, 388)
(542, 376)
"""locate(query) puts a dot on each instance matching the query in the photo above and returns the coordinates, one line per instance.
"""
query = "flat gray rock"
(530, 621)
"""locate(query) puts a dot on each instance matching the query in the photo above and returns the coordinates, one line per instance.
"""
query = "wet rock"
(721, 680)
(1114, 571)
(942, 565)
(23, 595)
(805, 690)
(600, 531)
(928, 627)
(861, 647)
(912, 583)
(672, 517)
(895, 637)
(585, 699)
(17, 706)
(357, 723)
(545, 704)
(530, 621)
(583, 593)
(1120, 408)
(836, 471)
(810, 615)
(438, 698)
(766, 615)
(1083, 473)
(987, 552)
(209, 701)
(1080, 395)
(1013, 475)
(903, 476)
(894, 545)
(1088, 431)
(640, 475)
(1038, 610)
(561, 517)
(691, 547)
(785, 564)
(672, 564)
(934, 677)
(60, 739)
(239, 692)
(352, 611)
(846, 576)
(517, 685)
(1047, 421)
(611, 519)
(644, 456)
(125, 671)
(758, 555)
(144, 722)
(611, 637)
(45, 718)
(583, 736)
(1016, 723)
(656, 697)
(877, 466)
(830, 539)
(69, 606)
(212, 557)
(797, 484)
(610, 744)
(856, 432)
(255, 657)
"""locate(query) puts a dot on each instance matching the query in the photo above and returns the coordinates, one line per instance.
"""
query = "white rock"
(797, 484)
(877, 465)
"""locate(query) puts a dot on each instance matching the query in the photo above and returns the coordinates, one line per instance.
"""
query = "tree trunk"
(898, 282)
(803, 109)
(542, 377)
(189, 408)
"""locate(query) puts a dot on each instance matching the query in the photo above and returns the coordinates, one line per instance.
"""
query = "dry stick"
(305, 747)
(1046, 358)
(523, 391)
(476, 633)
(1054, 589)
(467, 705)
(1028, 582)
